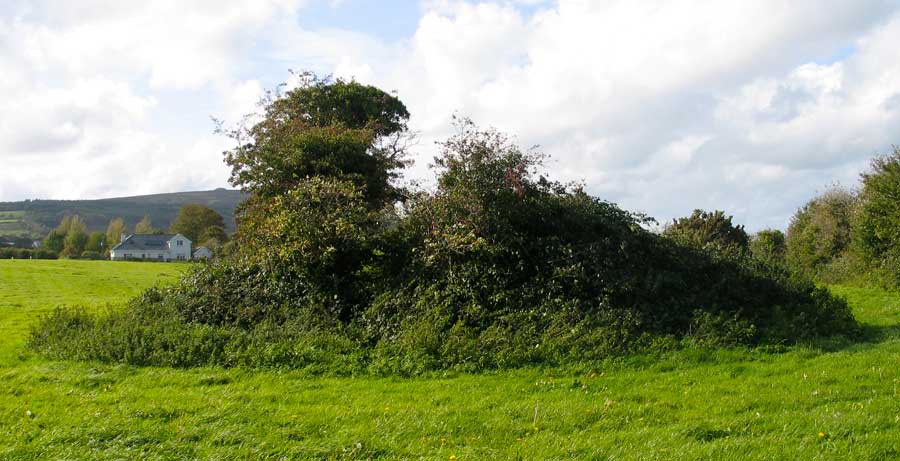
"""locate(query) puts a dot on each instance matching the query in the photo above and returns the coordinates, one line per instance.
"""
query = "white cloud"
(660, 106)
(667, 106)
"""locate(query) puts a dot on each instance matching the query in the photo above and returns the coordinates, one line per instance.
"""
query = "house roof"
(145, 242)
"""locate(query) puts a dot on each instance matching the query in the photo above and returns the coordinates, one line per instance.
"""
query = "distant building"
(202, 253)
(152, 247)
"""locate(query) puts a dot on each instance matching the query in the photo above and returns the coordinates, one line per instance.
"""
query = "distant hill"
(34, 218)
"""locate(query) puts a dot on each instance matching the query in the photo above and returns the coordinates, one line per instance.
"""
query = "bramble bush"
(497, 267)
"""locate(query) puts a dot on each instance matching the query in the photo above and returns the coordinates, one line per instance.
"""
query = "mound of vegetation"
(338, 270)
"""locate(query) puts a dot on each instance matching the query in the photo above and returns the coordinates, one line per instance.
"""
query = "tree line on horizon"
(70, 239)
(842, 235)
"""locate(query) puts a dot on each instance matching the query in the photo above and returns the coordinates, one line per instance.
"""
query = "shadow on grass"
(868, 337)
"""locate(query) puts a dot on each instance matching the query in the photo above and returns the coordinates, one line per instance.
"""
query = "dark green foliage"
(709, 230)
(498, 267)
(323, 128)
(27, 253)
(194, 220)
(877, 228)
(819, 232)
(768, 245)
(90, 254)
(213, 237)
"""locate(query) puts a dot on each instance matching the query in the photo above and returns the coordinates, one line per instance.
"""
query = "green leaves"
(877, 229)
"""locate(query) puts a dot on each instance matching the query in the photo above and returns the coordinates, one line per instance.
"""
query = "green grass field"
(838, 400)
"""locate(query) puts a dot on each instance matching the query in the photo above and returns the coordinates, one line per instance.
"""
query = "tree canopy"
(877, 230)
(339, 129)
(820, 231)
(194, 220)
(704, 229)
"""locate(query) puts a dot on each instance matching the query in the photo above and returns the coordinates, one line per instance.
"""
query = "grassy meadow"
(831, 400)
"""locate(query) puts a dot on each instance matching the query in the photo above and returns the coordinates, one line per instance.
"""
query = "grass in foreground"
(838, 400)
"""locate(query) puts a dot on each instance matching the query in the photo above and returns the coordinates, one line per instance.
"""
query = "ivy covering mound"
(337, 270)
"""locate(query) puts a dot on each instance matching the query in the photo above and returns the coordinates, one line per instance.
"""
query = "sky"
(659, 106)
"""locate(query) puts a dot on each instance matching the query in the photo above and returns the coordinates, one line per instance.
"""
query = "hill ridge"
(33, 218)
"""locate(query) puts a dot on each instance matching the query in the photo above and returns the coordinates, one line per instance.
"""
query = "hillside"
(34, 218)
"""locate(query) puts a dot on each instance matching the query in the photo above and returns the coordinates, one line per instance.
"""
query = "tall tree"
(144, 226)
(194, 220)
(114, 231)
(69, 222)
(76, 240)
(64, 224)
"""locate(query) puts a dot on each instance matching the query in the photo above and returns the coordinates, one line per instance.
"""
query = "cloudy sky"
(663, 107)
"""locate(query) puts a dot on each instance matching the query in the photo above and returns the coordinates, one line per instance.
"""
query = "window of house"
(178, 242)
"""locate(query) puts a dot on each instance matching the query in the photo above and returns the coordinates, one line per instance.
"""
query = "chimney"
(123, 238)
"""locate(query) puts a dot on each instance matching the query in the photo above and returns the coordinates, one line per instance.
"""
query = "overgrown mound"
(497, 267)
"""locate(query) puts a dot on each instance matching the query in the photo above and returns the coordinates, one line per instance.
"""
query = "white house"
(202, 253)
(155, 247)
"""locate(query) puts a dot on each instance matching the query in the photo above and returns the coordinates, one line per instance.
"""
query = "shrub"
(877, 228)
(819, 232)
(709, 230)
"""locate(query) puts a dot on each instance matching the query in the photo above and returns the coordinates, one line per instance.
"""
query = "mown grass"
(837, 399)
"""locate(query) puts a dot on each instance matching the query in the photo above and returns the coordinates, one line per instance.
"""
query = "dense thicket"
(497, 267)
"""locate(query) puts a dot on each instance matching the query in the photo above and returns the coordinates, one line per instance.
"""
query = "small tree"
(76, 240)
(145, 226)
(703, 229)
